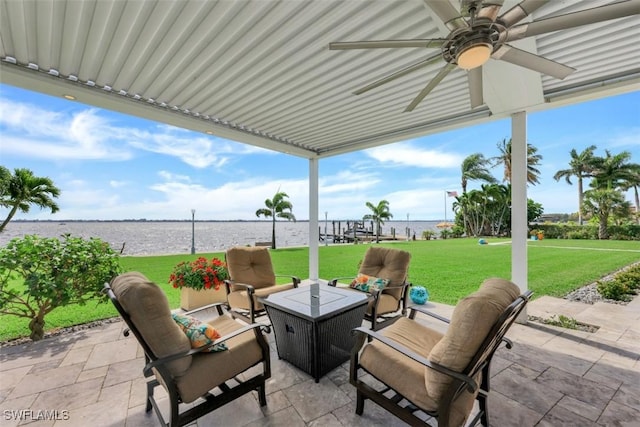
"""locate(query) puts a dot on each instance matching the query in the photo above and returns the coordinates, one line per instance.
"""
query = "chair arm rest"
(217, 305)
(164, 360)
(334, 282)
(423, 310)
(294, 279)
(472, 386)
(249, 288)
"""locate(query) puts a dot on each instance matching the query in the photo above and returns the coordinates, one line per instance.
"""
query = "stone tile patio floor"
(551, 377)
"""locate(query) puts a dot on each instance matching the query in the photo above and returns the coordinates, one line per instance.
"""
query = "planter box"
(191, 299)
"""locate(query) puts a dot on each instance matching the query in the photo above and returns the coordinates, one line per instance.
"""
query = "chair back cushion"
(389, 264)
(148, 308)
(251, 266)
(471, 322)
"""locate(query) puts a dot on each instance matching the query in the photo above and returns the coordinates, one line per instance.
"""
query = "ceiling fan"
(480, 33)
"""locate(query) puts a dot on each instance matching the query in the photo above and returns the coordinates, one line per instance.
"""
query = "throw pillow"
(199, 333)
(367, 283)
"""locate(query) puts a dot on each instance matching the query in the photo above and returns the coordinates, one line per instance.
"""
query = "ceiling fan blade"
(447, 13)
(520, 11)
(575, 19)
(381, 44)
(474, 77)
(399, 74)
(531, 61)
(490, 9)
(432, 84)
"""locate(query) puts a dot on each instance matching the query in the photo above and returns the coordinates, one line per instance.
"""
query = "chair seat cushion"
(405, 375)
(209, 370)
(240, 298)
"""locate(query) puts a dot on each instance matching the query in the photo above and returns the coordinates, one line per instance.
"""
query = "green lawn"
(450, 269)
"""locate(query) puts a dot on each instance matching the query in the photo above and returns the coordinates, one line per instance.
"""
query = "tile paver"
(551, 377)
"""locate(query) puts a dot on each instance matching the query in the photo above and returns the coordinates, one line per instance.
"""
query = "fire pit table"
(312, 325)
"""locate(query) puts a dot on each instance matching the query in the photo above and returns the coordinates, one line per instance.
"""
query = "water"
(174, 237)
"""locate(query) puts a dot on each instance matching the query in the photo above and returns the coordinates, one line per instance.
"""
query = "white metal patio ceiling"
(260, 71)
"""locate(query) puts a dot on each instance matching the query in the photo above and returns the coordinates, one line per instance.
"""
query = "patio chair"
(191, 363)
(251, 276)
(425, 373)
(390, 302)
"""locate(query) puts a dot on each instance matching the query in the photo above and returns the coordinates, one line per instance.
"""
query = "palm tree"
(277, 207)
(504, 158)
(634, 182)
(23, 189)
(580, 166)
(378, 214)
(602, 203)
(612, 171)
(474, 167)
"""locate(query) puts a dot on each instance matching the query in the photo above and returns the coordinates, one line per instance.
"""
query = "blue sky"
(112, 166)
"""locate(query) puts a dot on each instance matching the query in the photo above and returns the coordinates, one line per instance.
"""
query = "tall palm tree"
(277, 207)
(581, 166)
(475, 167)
(23, 189)
(634, 182)
(504, 158)
(379, 214)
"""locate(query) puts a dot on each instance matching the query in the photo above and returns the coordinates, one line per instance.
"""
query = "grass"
(449, 269)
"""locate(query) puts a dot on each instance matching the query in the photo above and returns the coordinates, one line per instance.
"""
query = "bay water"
(175, 237)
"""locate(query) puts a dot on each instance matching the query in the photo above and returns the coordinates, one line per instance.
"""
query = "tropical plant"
(602, 203)
(379, 214)
(581, 166)
(613, 170)
(199, 274)
(633, 181)
(278, 207)
(475, 167)
(23, 189)
(504, 158)
(39, 274)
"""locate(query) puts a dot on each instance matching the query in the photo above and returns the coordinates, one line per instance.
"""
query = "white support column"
(313, 220)
(519, 203)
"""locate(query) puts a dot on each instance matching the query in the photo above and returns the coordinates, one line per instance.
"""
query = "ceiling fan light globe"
(474, 56)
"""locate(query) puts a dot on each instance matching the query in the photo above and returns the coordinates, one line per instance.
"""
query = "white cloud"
(407, 154)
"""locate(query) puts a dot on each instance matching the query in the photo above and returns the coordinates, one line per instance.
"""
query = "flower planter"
(191, 299)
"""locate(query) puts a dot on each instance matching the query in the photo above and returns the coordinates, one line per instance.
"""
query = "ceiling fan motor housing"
(485, 36)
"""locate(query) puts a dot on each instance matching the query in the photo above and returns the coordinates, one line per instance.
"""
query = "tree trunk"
(273, 233)
(12, 212)
(580, 200)
(36, 326)
(603, 232)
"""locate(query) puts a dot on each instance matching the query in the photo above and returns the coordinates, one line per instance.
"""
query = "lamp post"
(408, 229)
(326, 242)
(193, 231)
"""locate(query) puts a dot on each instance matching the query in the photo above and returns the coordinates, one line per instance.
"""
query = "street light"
(408, 228)
(193, 231)
(325, 228)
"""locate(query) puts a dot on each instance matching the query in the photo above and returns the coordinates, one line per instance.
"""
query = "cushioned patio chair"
(251, 276)
(426, 373)
(391, 266)
(190, 363)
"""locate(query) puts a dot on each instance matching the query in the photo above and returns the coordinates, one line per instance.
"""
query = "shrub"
(428, 234)
(39, 274)
(613, 289)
